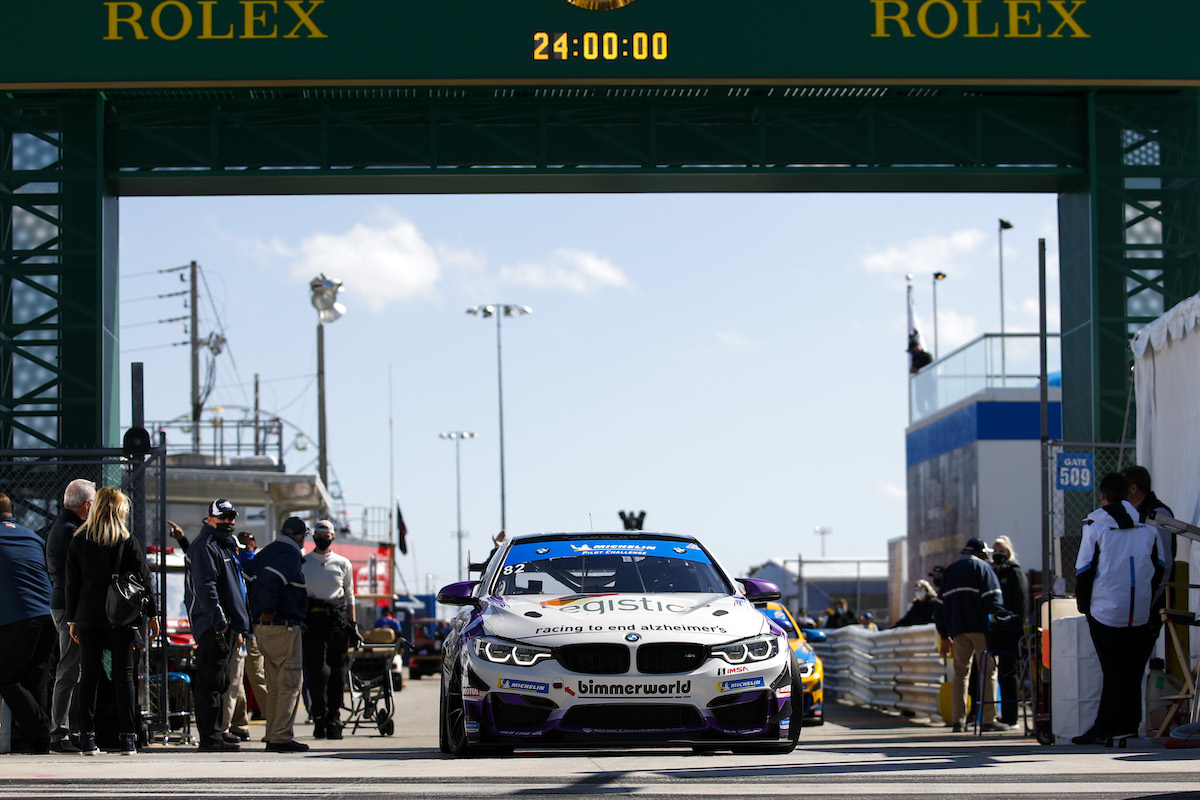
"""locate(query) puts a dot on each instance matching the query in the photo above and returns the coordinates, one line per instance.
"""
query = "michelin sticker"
(741, 685)
(523, 686)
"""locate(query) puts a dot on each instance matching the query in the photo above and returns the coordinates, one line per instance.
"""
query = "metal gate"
(35, 481)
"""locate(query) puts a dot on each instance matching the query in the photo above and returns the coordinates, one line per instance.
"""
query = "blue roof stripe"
(982, 421)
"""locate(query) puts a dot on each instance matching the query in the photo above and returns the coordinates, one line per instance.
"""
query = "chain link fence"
(35, 481)
(1075, 470)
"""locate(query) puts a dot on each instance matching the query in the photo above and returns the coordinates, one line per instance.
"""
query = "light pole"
(937, 276)
(458, 436)
(499, 311)
(324, 299)
(1004, 225)
(822, 531)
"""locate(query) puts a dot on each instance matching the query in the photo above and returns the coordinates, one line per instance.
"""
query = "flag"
(1005, 224)
(917, 357)
(401, 532)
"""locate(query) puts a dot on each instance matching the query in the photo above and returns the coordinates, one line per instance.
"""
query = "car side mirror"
(458, 594)
(758, 591)
(814, 635)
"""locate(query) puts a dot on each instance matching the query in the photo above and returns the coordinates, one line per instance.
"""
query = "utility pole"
(196, 409)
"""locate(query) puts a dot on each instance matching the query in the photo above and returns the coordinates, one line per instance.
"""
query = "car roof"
(526, 537)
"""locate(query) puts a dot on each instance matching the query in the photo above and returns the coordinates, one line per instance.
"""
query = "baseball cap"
(294, 526)
(221, 507)
(325, 526)
(976, 547)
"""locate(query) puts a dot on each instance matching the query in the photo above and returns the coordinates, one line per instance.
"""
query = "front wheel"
(452, 737)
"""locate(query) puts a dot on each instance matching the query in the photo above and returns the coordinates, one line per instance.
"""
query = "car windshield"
(574, 566)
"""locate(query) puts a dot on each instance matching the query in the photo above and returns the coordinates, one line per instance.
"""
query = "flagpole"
(908, 335)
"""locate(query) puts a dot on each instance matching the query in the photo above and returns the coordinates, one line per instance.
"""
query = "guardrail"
(898, 668)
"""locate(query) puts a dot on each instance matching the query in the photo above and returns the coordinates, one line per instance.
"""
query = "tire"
(387, 727)
(453, 728)
(794, 724)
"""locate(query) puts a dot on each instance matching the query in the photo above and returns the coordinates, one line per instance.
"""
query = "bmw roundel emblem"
(541, 551)
(633, 637)
(681, 550)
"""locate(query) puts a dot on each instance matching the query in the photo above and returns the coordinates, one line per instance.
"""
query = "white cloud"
(890, 490)
(390, 261)
(926, 254)
(954, 330)
(575, 271)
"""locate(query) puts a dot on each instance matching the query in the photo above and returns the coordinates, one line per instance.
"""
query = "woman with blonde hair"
(92, 559)
(921, 610)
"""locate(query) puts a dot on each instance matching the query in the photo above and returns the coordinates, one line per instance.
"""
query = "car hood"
(610, 617)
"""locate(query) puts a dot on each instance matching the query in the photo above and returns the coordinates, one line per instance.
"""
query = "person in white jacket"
(1116, 577)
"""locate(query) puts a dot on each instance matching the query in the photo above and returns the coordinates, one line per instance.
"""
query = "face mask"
(322, 543)
(999, 558)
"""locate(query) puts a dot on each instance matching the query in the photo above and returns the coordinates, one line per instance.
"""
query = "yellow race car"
(812, 672)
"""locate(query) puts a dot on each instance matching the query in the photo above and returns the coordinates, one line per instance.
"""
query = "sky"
(732, 364)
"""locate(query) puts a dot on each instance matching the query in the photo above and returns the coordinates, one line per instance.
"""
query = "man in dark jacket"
(278, 605)
(77, 501)
(217, 610)
(26, 629)
(1006, 638)
(970, 593)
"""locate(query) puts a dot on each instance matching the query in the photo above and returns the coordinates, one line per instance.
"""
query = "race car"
(614, 639)
(812, 671)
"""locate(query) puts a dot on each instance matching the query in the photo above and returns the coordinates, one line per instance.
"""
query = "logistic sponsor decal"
(741, 684)
(597, 604)
(599, 689)
(523, 686)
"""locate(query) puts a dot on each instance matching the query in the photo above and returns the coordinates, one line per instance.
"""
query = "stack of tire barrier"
(895, 669)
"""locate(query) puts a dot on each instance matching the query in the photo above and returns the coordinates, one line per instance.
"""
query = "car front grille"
(594, 659)
(661, 659)
(623, 718)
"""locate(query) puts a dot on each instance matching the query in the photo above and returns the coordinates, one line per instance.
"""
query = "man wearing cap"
(330, 581)
(278, 605)
(215, 598)
(970, 592)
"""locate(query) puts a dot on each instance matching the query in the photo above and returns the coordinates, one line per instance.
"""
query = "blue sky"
(733, 364)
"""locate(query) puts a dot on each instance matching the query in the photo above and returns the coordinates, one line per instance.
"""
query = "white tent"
(1167, 381)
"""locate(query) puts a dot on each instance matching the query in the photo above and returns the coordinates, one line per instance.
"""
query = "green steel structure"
(1094, 101)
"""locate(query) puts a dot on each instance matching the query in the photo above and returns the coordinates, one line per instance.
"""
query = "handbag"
(126, 594)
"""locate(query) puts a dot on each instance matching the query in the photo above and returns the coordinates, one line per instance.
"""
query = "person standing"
(235, 714)
(26, 629)
(1006, 637)
(970, 593)
(1143, 498)
(330, 581)
(64, 712)
(1117, 575)
(101, 548)
(842, 615)
(278, 606)
(921, 610)
(215, 598)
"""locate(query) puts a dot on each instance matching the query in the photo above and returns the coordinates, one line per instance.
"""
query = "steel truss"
(1124, 165)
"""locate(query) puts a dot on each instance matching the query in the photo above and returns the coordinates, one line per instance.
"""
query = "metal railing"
(992, 361)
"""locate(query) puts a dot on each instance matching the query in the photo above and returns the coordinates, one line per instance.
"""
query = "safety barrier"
(898, 668)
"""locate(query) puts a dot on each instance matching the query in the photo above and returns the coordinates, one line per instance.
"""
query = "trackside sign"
(118, 43)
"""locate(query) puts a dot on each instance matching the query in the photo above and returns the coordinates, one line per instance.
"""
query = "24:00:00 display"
(593, 46)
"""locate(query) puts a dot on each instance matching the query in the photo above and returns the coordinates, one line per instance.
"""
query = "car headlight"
(758, 648)
(807, 668)
(504, 651)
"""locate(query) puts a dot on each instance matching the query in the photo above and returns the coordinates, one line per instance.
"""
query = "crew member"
(329, 578)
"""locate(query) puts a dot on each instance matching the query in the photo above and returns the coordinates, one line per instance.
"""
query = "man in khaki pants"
(278, 604)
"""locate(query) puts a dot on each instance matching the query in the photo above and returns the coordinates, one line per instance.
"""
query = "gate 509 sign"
(1073, 472)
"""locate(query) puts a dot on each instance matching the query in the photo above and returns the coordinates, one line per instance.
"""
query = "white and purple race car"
(614, 639)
